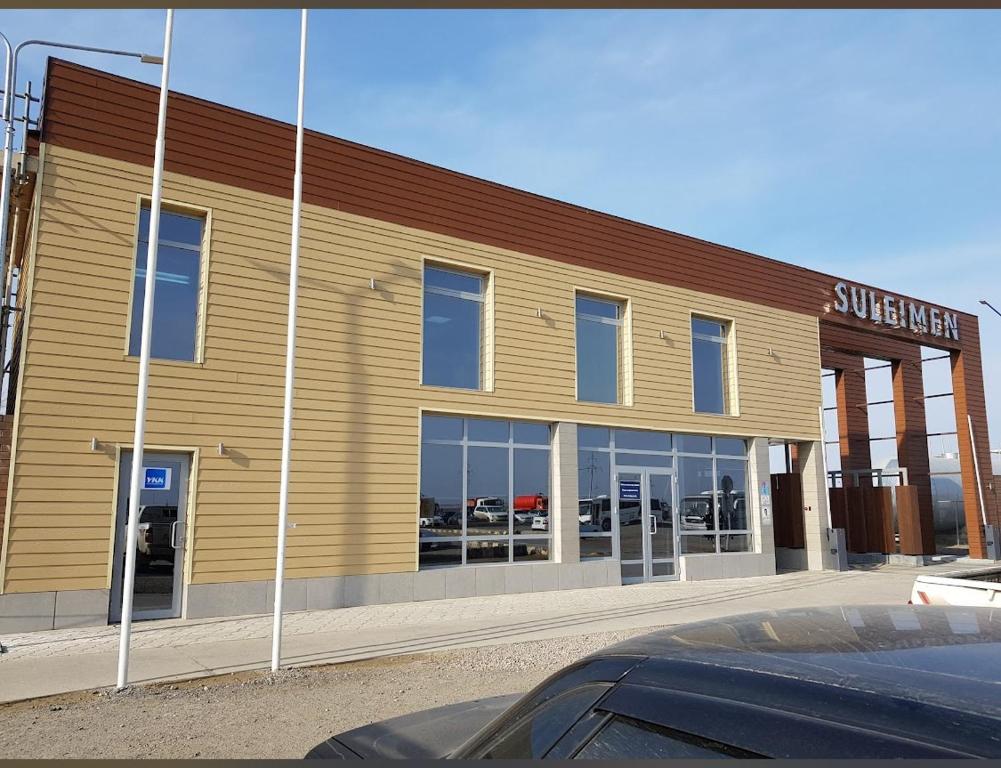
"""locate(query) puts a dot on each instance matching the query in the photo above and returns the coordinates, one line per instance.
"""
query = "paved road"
(59, 661)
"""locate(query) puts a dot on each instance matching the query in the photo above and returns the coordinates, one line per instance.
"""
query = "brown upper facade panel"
(110, 116)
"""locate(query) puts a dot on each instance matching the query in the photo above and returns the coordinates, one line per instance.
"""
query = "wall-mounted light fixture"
(371, 283)
(94, 444)
(221, 449)
(662, 334)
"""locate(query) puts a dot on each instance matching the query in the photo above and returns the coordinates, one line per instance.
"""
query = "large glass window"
(484, 494)
(713, 516)
(599, 343)
(176, 288)
(710, 366)
(712, 480)
(453, 328)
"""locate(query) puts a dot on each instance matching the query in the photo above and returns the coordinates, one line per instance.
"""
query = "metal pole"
(144, 352)
(293, 297)
(8, 148)
(976, 466)
(10, 84)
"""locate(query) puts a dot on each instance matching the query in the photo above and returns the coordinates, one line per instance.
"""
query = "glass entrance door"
(645, 512)
(160, 540)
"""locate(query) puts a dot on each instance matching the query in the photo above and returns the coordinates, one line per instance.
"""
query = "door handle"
(653, 519)
(173, 534)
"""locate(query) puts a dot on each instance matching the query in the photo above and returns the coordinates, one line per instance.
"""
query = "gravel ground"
(258, 715)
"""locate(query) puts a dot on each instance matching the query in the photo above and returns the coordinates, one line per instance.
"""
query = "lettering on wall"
(885, 309)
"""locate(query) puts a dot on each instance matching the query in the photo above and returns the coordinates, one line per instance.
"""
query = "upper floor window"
(599, 345)
(453, 348)
(177, 286)
(710, 365)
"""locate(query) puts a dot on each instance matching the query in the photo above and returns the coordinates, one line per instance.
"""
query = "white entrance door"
(646, 517)
(160, 543)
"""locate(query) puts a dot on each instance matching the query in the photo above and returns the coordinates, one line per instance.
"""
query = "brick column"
(853, 419)
(758, 472)
(815, 502)
(564, 524)
(912, 441)
(968, 395)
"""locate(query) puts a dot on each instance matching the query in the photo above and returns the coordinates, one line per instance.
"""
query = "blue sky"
(866, 144)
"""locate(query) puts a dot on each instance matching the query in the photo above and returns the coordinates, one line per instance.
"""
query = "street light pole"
(988, 304)
(10, 83)
(132, 528)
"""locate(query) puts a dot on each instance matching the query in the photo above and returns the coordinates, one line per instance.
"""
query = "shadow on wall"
(351, 473)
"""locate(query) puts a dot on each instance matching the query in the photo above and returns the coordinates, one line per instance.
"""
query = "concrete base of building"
(728, 566)
(234, 599)
(31, 611)
(913, 561)
(787, 559)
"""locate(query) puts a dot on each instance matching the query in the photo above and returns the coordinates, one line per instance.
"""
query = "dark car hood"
(949, 656)
(432, 733)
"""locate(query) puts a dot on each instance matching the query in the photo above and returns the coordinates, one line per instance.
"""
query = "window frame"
(204, 254)
(731, 389)
(624, 357)
(487, 320)
(511, 445)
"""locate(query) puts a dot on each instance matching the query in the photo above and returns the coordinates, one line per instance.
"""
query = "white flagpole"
(128, 582)
(293, 295)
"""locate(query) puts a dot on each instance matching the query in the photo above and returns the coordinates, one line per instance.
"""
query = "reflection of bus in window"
(596, 512)
(697, 512)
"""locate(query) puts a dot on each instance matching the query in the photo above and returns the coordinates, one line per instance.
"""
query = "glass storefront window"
(731, 446)
(487, 474)
(480, 494)
(694, 444)
(731, 485)
(639, 440)
(594, 498)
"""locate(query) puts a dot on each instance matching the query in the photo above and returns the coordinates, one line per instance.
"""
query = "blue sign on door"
(156, 478)
(629, 490)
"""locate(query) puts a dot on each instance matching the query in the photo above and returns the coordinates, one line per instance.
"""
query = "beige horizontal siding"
(354, 482)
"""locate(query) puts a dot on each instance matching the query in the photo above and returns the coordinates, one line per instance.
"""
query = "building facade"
(495, 392)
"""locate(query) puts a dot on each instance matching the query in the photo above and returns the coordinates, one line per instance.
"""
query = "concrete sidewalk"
(59, 661)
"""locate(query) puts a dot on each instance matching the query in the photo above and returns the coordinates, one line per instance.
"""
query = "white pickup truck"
(979, 587)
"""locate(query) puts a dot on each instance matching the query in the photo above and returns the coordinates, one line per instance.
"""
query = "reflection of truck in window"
(527, 507)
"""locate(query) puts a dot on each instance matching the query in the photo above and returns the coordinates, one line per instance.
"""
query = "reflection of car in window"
(155, 528)
(490, 513)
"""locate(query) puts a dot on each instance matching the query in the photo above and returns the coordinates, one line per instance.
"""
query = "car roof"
(906, 670)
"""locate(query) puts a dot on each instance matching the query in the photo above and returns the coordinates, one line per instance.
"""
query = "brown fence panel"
(839, 508)
(878, 511)
(855, 531)
(909, 520)
(787, 510)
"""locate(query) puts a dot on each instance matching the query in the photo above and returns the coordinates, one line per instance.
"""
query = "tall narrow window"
(710, 366)
(177, 285)
(453, 328)
(599, 344)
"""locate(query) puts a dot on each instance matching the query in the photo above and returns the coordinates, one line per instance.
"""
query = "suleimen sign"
(866, 304)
